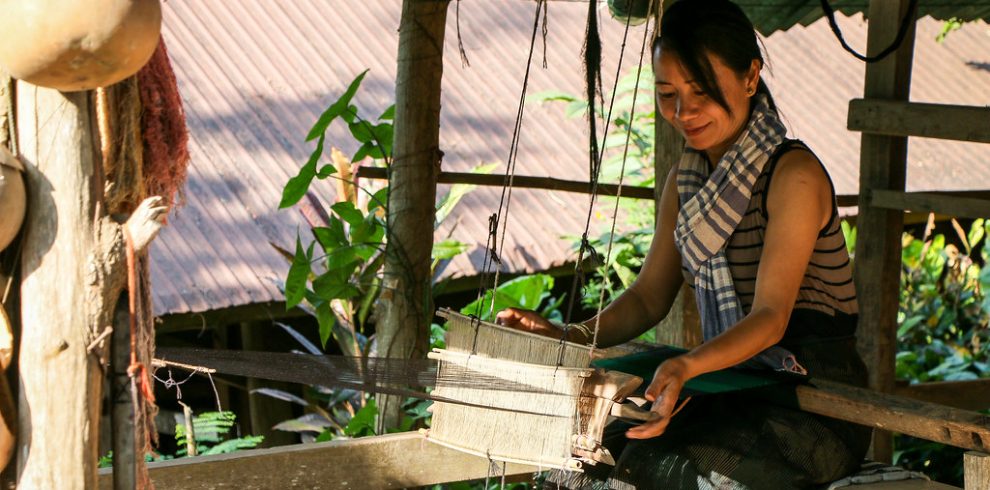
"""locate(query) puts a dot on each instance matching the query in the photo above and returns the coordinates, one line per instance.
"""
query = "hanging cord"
(460, 41)
(545, 31)
(901, 32)
(618, 195)
(137, 371)
(595, 153)
(510, 167)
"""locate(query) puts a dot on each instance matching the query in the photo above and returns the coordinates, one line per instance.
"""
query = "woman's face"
(705, 125)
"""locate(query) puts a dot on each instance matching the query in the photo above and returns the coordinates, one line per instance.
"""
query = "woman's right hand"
(527, 320)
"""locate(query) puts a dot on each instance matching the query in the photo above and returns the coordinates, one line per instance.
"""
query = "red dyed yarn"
(163, 128)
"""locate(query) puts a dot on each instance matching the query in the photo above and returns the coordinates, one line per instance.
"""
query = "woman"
(749, 219)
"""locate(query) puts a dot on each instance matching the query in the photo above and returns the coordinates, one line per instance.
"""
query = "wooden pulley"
(71, 45)
(13, 199)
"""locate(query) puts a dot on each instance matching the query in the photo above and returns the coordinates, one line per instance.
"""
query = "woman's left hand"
(663, 392)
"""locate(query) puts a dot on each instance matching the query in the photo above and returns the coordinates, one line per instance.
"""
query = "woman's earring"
(750, 91)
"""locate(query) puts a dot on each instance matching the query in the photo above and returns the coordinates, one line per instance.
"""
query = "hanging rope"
(906, 22)
(618, 195)
(460, 41)
(595, 155)
(510, 171)
(136, 370)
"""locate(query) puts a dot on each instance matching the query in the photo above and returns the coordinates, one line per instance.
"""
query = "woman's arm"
(644, 303)
(799, 206)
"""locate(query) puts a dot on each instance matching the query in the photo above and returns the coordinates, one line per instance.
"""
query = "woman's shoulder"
(798, 176)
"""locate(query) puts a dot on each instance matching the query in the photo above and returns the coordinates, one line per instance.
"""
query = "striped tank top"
(827, 286)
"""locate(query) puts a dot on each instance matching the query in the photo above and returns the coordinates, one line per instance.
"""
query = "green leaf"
(348, 212)
(457, 191)
(326, 322)
(551, 96)
(363, 422)
(448, 249)
(297, 186)
(378, 200)
(326, 171)
(334, 286)
(331, 237)
(299, 271)
(389, 114)
(525, 292)
(336, 109)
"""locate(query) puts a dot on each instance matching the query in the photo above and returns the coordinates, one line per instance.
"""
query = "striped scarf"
(711, 207)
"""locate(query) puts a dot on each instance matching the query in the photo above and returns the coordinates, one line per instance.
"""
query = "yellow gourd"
(75, 45)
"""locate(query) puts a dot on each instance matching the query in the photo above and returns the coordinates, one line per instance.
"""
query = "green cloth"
(644, 364)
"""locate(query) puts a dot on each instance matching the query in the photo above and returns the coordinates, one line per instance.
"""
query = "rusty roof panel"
(255, 75)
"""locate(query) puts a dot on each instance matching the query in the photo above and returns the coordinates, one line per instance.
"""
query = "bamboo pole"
(122, 401)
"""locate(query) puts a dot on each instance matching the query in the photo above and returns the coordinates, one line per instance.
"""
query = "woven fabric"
(711, 206)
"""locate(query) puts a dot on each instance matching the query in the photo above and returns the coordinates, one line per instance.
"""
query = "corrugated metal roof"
(255, 75)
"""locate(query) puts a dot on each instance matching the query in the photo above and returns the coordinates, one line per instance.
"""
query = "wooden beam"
(883, 166)
(928, 202)
(523, 182)
(938, 423)
(967, 395)
(392, 461)
(902, 118)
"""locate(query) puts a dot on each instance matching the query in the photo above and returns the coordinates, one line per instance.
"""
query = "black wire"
(901, 32)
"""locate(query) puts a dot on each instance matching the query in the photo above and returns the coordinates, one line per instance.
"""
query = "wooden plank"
(938, 423)
(883, 165)
(906, 485)
(524, 182)
(976, 467)
(926, 201)
(391, 461)
(967, 395)
(902, 118)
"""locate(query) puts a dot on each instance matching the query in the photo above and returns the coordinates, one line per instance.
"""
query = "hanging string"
(545, 31)
(510, 171)
(901, 32)
(595, 153)
(460, 41)
(136, 370)
(618, 195)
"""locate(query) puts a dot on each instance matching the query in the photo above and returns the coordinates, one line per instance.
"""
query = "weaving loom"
(559, 426)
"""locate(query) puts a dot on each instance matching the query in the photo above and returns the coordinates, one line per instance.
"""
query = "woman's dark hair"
(691, 29)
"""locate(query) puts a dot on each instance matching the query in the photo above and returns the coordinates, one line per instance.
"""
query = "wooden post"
(122, 401)
(883, 162)
(265, 411)
(976, 468)
(682, 327)
(62, 308)
(406, 296)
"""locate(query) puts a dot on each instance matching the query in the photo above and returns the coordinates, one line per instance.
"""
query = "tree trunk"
(406, 298)
(71, 275)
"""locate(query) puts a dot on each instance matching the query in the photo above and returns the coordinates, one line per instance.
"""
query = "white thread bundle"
(499, 342)
(534, 426)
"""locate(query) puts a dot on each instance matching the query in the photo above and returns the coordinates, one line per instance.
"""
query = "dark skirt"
(740, 440)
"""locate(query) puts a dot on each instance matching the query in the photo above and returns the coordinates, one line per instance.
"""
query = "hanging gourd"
(13, 200)
(634, 12)
(73, 45)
